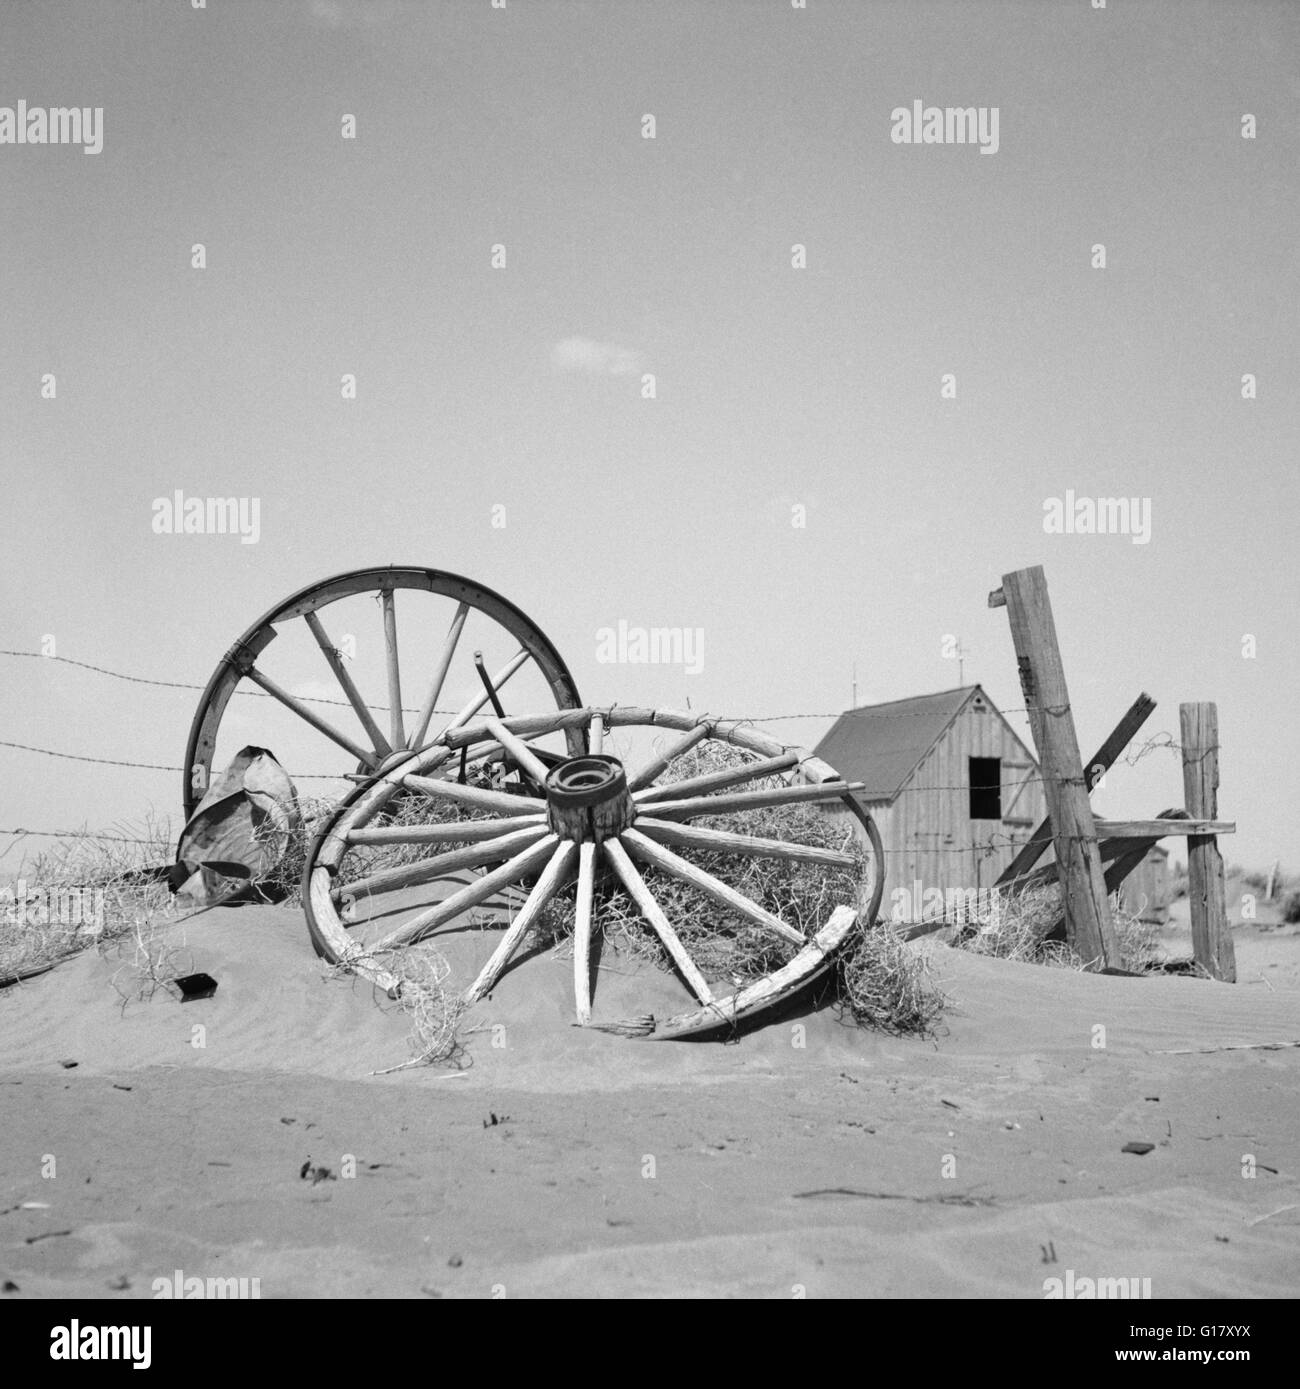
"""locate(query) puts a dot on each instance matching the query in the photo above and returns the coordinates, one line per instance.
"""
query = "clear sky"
(775, 387)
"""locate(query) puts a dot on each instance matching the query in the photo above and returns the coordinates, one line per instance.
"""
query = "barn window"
(985, 788)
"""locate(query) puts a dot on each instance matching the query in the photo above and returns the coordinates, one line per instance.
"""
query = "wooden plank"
(1047, 698)
(1158, 829)
(1110, 851)
(1098, 765)
(1211, 940)
(1121, 857)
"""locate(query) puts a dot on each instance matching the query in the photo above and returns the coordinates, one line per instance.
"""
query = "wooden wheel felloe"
(590, 818)
(435, 659)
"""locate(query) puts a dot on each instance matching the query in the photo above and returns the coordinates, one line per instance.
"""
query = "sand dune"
(809, 1158)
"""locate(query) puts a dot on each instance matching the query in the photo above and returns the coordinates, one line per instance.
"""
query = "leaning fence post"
(1074, 836)
(1211, 939)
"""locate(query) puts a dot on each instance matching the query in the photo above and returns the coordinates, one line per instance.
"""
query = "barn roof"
(883, 744)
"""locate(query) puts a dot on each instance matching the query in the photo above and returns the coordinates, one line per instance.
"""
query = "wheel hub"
(587, 798)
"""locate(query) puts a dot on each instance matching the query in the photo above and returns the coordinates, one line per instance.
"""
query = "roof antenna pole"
(962, 653)
(854, 704)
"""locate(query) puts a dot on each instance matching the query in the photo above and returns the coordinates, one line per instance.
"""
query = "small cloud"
(594, 358)
(348, 14)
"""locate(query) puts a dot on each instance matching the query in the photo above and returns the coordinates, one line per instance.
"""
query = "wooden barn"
(952, 787)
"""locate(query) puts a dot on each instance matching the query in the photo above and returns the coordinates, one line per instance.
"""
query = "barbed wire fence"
(1162, 741)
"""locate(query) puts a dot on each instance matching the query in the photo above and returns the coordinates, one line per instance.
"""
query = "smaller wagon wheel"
(585, 816)
(450, 626)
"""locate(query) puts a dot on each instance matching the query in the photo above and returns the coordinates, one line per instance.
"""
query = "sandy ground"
(808, 1158)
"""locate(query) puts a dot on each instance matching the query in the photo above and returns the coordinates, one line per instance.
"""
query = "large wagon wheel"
(439, 658)
(584, 814)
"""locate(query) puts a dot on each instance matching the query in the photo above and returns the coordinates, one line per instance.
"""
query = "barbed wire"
(151, 766)
(1156, 742)
(185, 685)
(80, 757)
(384, 708)
(101, 670)
(1152, 745)
(86, 834)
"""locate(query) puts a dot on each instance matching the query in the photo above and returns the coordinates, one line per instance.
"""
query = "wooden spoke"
(439, 865)
(721, 842)
(660, 764)
(311, 717)
(499, 679)
(529, 726)
(648, 851)
(715, 781)
(487, 886)
(439, 675)
(519, 750)
(345, 682)
(582, 931)
(394, 676)
(461, 832)
(757, 800)
(500, 801)
(488, 753)
(553, 876)
(597, 737)
(653, 913)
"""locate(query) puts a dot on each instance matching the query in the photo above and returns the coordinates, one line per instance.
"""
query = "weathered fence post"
(1102, 761)
(1042, 679)
(1211, 939)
